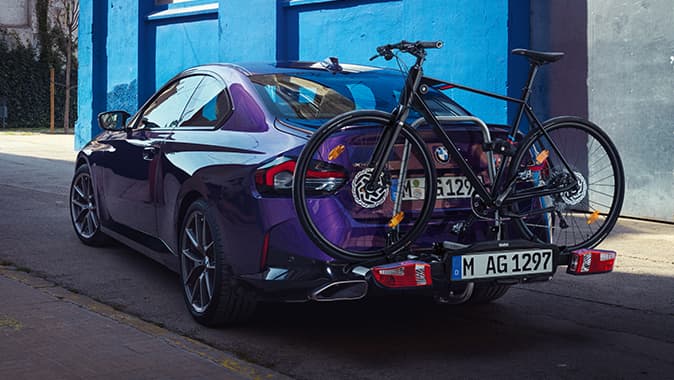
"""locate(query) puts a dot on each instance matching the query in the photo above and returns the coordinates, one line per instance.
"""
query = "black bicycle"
(561, 183)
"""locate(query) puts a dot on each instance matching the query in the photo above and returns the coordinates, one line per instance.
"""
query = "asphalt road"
(618, 325)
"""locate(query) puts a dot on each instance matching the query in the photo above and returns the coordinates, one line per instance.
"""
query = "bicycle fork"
(392, 131)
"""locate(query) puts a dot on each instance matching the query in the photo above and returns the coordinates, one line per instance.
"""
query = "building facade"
(617, 71)
(129, 48)
(18, 17)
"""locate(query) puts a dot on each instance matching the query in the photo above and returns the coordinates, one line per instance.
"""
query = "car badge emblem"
(441, 154)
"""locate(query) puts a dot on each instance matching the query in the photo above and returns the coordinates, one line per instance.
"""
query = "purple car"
(200, 179)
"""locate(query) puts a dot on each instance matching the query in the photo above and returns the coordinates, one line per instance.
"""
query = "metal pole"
(51, 100)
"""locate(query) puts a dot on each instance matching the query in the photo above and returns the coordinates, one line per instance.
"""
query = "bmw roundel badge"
(441, 154)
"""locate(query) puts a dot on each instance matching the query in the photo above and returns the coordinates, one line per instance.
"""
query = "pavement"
(48, 331)
(69, 311)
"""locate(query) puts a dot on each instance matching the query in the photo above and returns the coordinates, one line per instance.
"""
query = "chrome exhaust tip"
(349, 290)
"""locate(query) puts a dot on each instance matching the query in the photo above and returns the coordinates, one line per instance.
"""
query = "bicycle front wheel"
(580, 217)
(353, 217)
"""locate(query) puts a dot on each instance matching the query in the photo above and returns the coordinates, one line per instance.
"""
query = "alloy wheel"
(83, 206)
(198, 262)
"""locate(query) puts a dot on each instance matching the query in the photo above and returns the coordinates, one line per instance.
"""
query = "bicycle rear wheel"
(347, 219)
(583, 216)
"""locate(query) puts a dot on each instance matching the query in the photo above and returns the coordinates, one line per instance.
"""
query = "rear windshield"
(322, 95)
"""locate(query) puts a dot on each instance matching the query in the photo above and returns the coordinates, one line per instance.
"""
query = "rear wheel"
(336, 207)
(582, 216)
(212, 294)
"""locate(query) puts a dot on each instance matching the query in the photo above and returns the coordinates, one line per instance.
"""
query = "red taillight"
(277, 177)
(273, 176)
(405, 274)
(590, 261)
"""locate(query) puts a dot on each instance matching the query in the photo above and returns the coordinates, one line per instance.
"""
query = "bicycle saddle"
(539, 57)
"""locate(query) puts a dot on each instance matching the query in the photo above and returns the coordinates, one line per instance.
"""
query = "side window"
(166, 109)
(208, 105)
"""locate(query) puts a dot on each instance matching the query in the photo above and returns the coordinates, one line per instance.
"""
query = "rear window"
(322, 95)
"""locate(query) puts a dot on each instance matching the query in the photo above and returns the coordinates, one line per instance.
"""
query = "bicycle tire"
(591, 209)
(351, 222)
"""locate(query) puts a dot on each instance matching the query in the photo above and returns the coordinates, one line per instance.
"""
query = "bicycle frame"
(411, 96)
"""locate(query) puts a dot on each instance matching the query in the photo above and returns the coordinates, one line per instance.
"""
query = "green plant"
(24, 74)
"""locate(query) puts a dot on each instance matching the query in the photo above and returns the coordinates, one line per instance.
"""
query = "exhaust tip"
(350, 290)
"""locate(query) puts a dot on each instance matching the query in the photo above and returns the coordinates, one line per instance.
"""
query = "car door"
(130, 182)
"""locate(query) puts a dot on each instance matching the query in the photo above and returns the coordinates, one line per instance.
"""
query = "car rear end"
(303, 99)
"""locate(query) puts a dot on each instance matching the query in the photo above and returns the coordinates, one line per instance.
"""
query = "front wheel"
(344, 211)
(582, 216)
(84, 209)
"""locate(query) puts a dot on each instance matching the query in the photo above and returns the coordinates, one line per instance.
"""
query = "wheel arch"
(82, 159)
(189, 198)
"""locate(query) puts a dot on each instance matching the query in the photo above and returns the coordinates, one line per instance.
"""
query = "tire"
(487, 293)
(212, 294)
(84, 209)
(585, 215)
(347, 220)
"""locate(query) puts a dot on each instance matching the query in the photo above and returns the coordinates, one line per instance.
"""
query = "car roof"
(262, 68)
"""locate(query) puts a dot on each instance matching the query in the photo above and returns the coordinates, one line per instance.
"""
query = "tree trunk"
(69, 53)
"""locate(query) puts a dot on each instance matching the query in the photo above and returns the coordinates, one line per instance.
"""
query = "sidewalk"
(49, 332)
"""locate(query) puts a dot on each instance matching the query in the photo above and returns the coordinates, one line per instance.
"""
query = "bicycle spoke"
(591, 208)
(356, 219)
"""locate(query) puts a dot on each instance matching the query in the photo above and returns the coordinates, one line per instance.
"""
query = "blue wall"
(183, 45)
(129, 48)
(476, 33)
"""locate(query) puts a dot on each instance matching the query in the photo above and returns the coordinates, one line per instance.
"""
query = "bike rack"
(491, 164)
(485, 134)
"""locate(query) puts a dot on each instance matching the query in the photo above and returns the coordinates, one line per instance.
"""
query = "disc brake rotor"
(368, 198)
(575, 196)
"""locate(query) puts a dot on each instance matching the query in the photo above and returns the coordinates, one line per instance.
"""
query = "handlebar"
(431, 44)
(418, 49)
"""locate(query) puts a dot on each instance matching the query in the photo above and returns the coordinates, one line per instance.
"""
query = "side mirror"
(113, 120)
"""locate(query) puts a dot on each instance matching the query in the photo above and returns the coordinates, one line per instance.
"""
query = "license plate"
(501, 264)
(449, 187)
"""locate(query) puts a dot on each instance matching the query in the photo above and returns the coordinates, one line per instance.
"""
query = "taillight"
(404, 274)
(590, 261)
(276, 178)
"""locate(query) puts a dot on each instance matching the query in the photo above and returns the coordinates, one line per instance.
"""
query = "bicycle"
(561, 183)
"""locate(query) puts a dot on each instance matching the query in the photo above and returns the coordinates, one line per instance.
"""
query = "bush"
(24, 82)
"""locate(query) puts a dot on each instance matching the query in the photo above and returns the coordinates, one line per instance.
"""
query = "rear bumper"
(304, 280)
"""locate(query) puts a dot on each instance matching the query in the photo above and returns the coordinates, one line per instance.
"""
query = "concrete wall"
(619, 72)
(18, 17)
(129, 48)
(631, 83)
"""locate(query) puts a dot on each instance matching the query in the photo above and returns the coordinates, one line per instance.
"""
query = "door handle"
(149, 152)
